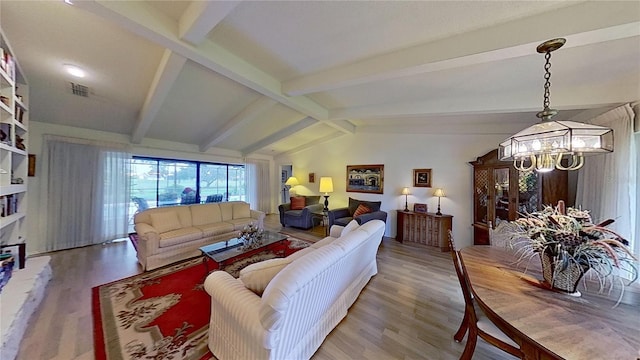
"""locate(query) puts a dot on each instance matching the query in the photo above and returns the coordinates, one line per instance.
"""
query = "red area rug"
(164, 313)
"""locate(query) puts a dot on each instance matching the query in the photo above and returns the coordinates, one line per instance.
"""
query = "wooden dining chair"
(474, 320)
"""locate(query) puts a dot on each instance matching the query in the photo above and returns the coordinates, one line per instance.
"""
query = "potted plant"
(570, 245)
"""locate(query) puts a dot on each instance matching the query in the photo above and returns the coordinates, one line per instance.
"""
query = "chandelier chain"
(547, 77)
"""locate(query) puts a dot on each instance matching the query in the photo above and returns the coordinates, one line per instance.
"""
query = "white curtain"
(607, 184)
(258, 185)
(87, 192)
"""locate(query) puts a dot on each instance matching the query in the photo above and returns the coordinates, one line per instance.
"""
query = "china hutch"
(500, 192)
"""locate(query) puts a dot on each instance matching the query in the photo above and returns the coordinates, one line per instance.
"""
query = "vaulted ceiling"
(274, 77)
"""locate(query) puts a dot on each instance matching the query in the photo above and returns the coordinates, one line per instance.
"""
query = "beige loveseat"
(174, 233)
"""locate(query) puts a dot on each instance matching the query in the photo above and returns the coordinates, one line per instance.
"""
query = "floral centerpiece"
(569, 245)
(251, 236)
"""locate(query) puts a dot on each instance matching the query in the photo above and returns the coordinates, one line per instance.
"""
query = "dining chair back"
(474, 320)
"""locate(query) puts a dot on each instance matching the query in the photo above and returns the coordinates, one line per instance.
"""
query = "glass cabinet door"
(528, 192)
(481, 196)
(501, 198)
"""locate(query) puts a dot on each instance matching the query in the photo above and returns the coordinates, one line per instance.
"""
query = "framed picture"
(420, 208)
(422, 177)
(365, 178)
(31, 169)
(312, 178)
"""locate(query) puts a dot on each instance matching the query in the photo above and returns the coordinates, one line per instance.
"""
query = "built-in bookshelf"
(14, 159)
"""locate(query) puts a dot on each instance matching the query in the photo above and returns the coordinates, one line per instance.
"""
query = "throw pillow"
(165, 221)
(352, 225)
(362, 209)
(297, 202)
(256, 277)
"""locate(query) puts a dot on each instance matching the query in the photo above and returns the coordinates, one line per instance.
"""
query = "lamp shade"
(405, 191)
(439, 193)
(292, 181)
(326, 184)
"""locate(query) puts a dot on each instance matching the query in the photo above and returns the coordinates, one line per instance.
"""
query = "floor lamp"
(326, 187)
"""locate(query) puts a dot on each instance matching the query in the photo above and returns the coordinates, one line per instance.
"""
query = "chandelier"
(554, 144)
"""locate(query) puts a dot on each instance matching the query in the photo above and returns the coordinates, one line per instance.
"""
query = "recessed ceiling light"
(74, 70)
(70, 2)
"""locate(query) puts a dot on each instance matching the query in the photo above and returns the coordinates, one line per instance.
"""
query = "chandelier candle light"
(543, 146)
(406, 193)
(440, 194)
(326, 186)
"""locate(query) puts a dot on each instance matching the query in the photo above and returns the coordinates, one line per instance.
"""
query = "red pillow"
(297, 202)
(362, 209)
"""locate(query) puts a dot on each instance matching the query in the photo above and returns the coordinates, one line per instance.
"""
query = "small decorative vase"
(564, 280)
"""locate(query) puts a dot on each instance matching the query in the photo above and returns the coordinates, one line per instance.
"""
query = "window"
(167, 182)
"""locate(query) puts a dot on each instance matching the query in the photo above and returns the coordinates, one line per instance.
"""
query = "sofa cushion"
(361, 210)
(165, 221)
(216, 228)
(297, 202)
(205, 214)
(351, 226)
(311, 200)
(373, 205)
(179, 237)
(239, 224)
(241, 210)
(226, 210)
(256, 277)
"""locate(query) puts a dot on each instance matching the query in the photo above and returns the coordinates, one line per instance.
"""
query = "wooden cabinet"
(424, 228)
(500, 192)
(13, 147)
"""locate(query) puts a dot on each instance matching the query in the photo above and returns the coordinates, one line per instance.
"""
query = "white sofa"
(300, 306)
(174, 233)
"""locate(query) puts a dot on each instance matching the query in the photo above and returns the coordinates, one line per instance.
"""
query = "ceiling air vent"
(80, 90)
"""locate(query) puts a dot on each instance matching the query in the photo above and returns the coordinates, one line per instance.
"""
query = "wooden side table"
(424, 228)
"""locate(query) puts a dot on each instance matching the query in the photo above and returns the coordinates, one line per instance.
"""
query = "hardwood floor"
(410, 310)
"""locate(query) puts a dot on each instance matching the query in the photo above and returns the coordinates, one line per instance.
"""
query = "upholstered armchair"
(370, 210)
(300, 215)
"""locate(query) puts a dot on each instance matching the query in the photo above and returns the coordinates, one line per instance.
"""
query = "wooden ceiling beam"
(279, 135)
(170, 66)
(143, 20)
(500, 42)
(247, 115)
(201, 17)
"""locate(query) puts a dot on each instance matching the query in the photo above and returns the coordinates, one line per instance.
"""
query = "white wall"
(447, 155)
(37, 194)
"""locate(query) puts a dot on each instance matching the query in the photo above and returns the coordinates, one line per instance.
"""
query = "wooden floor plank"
(410, 310)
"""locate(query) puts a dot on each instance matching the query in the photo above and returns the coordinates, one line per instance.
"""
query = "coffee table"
(223, 251)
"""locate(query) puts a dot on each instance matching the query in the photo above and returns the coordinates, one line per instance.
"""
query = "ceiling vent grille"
(79, 90)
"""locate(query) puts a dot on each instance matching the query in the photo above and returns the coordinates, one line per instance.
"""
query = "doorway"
(285, 171)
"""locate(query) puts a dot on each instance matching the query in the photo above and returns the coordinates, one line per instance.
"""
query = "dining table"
(549, 324)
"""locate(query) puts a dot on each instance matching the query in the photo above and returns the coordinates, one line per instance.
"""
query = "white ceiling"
(274, 77)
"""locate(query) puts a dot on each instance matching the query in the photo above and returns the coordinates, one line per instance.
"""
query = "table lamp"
(439, 193)
(326, 186)
(406, 193)
(291, 182)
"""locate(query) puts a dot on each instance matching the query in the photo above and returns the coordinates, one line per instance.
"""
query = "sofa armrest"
(376, 215)
(282, 208)
(337, 214)
(259, 217)
(148, 239)
(336, 231)
(235, 305)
